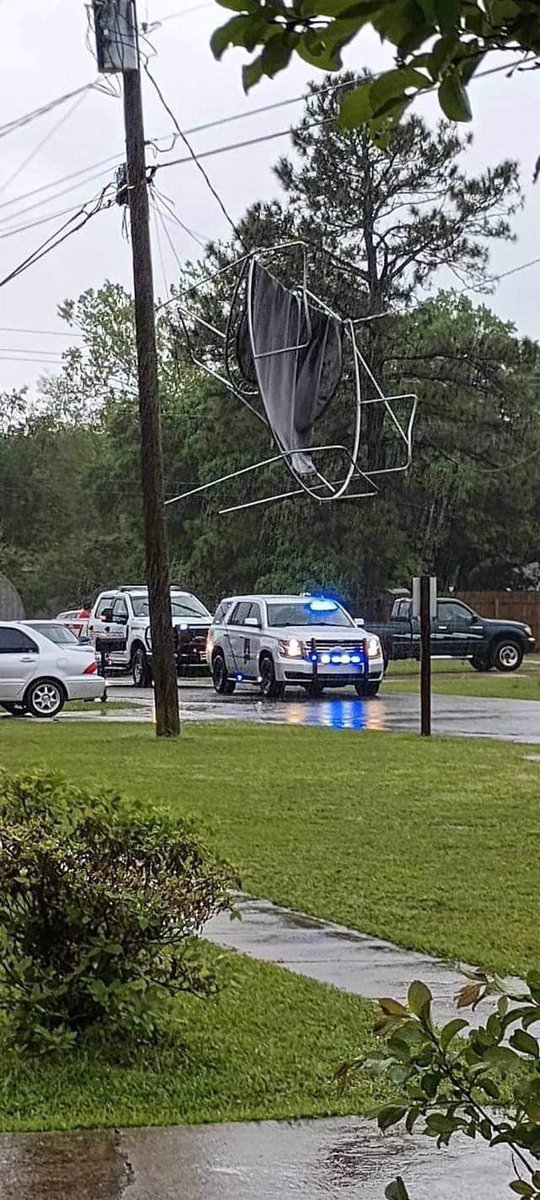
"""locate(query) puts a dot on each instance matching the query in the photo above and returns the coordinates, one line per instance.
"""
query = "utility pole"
(117, 46)
(425, 656)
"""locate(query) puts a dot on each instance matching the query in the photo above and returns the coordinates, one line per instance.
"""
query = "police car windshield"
(187, 606)
(310, 613)
(55, 633)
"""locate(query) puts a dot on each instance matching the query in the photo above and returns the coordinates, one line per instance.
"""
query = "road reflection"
(335, 713)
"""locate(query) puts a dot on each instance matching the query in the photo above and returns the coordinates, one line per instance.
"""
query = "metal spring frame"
(339, 489)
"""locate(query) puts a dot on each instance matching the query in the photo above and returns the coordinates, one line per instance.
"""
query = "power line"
(194, 157)
(184, 12)
(286, 132)
(65, 117)
(44, 187)
(265, 137)
(50, 362)
(40, 221)
(61, 234)
(117, 158)
(26, 118)
(533, 262)
(39, 332)
(29, 350)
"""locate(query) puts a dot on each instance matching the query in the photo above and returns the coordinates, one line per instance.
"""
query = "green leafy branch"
(484, 1082)
(438, 44)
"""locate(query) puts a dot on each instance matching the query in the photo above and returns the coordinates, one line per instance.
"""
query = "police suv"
(307, 641)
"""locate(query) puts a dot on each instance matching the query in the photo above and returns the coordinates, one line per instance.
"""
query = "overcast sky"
(46, 53)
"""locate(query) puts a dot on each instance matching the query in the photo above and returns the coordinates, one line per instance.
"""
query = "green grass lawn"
(266, 1046)
(457, 678)
(96, 707)
(434, 844)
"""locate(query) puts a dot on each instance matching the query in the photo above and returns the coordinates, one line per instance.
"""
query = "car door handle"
(28, 658)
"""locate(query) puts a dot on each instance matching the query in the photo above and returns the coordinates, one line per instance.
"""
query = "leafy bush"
(481, 1082)
(99, 905)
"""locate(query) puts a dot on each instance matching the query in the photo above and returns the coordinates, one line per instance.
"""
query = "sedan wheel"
(44, 698)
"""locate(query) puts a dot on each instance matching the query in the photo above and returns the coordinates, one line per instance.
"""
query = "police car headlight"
(374, 648)
(291, 648)
(528, 630)
(209, 645)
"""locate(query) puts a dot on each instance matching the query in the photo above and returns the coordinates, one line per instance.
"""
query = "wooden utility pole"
(155, 533)
(117, 48)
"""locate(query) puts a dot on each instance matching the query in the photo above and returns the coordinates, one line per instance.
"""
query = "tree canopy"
(466, 511)
(437, 44)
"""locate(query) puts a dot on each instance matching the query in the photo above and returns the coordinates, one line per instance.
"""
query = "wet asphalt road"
(506, 720)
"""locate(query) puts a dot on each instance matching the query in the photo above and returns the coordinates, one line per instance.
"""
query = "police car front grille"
(327, 645)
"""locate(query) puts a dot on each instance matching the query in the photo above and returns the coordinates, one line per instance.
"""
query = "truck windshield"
(182, 606)
(308, 613)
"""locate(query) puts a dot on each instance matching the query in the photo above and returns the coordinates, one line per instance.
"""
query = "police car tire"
(271, 688)
(222, 685)
(367, 691)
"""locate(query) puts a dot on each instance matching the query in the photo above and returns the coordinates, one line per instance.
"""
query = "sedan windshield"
(182, 606)
(55, 633)
(312, 612)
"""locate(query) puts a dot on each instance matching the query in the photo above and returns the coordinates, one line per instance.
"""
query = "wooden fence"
(510, 606)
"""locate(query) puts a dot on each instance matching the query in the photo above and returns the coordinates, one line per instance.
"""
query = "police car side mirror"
(359, 621)
(106, 615)
(253, 622)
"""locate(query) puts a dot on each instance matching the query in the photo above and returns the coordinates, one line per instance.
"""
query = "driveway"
(505, 720)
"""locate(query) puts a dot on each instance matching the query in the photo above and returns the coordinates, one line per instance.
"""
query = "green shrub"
(99, 907)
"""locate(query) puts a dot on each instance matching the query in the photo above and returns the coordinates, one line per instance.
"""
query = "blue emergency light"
(323, 605)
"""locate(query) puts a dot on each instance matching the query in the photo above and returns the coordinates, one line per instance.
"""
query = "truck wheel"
(367, 691)
(222, 684)
(268, 683)
(481, 664)
(140, 669)
(507, 655)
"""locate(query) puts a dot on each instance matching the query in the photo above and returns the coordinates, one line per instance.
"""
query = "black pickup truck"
(456, 632)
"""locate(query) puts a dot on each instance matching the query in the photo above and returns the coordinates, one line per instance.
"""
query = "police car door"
(251, 641)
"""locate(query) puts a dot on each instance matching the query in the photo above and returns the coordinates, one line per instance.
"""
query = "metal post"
(157, 559)
(425, 656)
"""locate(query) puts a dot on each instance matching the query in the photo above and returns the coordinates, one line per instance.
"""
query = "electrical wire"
(37, 149)
(194, 157)
(41, 221)
(183, 12)
(56, 239)
(172, 215)
(532, 262)
(265, 137)
(286, 132)
(19, 122)
(29, 350)
(116, 158)
(38, 332)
